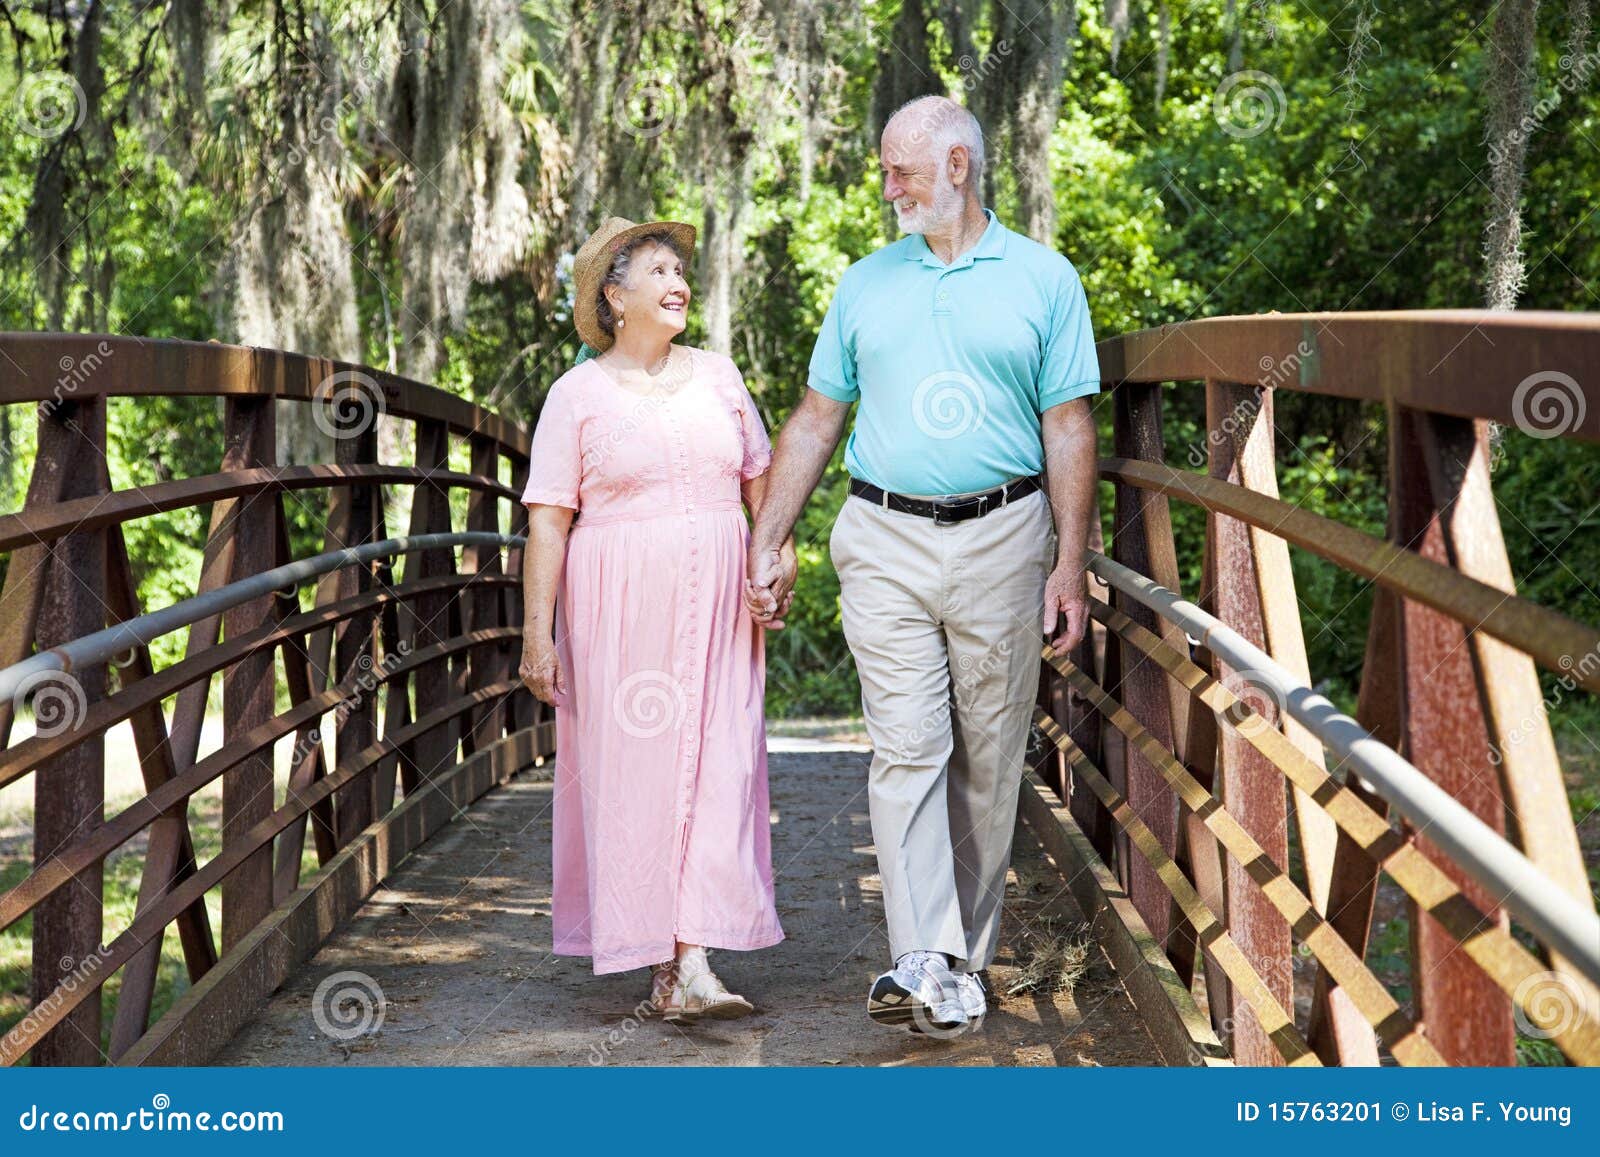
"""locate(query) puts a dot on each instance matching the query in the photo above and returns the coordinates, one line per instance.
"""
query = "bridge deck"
(458, 942)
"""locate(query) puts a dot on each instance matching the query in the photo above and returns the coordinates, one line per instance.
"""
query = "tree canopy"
(403, 185)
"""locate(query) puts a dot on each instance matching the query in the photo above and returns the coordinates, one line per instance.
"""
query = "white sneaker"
(921, 993)
(974, 999)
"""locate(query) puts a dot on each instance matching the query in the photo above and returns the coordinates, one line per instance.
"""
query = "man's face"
(915, 181)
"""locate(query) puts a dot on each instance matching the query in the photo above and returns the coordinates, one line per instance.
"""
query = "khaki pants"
(945, 623)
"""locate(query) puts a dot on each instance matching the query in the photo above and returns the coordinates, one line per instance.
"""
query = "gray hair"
(945, 123)
(618, 275)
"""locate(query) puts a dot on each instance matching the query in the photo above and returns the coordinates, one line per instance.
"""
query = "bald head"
(924, 130)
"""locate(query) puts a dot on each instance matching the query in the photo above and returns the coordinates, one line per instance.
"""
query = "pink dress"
(660, 808)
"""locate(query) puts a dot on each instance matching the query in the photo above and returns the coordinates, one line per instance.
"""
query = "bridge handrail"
(352, 663)
(1548, 636)
(46, 524)
(1466, 362)
(1486, 855)
(1193, 813)
(58, 366)
(95, 971)
(100, 646)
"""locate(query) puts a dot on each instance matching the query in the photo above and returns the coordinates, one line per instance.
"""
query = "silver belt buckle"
(939, 509)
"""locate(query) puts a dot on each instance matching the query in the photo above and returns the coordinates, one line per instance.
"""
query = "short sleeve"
(555, 464)
(757, 446)
(1071, 368)
(833, 361)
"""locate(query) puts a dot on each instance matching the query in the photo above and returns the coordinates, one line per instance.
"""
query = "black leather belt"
(950, 510)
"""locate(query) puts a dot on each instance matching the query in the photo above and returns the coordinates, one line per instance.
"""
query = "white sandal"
(703, 995)
(663, 979)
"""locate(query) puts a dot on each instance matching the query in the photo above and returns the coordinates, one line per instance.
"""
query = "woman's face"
(655, 294)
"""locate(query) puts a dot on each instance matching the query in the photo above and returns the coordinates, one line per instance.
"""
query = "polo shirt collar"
(991, 244)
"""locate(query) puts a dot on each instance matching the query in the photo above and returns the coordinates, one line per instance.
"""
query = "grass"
(1051, 961)
(121, 896)
(121, 884)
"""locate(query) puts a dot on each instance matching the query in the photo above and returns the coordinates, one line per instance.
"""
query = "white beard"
(938, 217)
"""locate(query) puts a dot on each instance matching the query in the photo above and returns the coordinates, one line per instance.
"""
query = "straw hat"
(593, 262)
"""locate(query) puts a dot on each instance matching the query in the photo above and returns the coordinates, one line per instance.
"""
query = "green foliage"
(809, 671)
(1367, 190)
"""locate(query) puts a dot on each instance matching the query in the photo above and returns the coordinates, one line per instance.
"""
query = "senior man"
(970, 351)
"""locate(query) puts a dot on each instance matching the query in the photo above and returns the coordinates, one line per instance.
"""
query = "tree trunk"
(905, 68)
(1033, 118)
(466, 215)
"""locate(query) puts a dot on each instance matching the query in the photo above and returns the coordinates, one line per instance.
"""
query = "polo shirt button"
(944, 296)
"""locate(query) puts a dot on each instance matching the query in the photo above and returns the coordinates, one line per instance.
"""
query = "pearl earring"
(620, 321)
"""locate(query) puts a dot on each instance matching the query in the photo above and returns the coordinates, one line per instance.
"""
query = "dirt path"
(455, 951)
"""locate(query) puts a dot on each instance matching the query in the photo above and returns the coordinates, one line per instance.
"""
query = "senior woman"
(639, 634)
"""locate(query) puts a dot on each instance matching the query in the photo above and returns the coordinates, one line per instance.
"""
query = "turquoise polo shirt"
(954, 364)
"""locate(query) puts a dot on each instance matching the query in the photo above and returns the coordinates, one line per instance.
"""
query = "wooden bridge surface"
(457, 943)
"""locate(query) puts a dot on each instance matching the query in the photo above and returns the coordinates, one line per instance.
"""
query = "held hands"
(1066, 600)
(769, 589)
(541, 670)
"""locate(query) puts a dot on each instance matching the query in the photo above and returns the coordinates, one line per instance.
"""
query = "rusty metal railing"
(1186, 763)
(417, 675)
